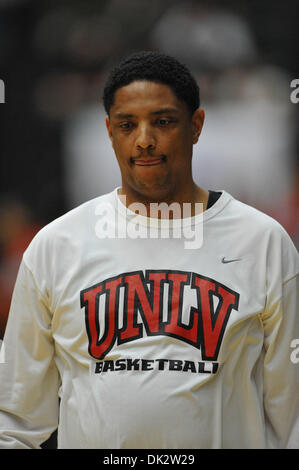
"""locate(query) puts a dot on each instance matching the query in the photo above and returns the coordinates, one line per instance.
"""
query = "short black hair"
(155, 67)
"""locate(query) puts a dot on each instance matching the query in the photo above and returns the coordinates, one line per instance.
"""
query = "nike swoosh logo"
(230, 260)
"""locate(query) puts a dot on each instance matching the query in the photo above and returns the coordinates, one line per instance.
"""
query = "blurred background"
(54, 58)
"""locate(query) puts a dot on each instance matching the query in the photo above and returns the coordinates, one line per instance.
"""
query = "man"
(145, 340)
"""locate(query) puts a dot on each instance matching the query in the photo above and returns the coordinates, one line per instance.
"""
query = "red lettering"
(213, 323)
(90, 299)
(175, 327)
(147, 302)
(144, 295)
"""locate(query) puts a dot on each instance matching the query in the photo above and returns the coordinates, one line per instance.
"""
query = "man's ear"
(107, 121)
(197, 123)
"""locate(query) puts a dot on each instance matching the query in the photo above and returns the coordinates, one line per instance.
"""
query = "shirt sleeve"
(29, 379)
(281, 373)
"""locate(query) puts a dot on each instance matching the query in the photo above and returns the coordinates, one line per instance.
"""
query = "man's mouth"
(148, 161)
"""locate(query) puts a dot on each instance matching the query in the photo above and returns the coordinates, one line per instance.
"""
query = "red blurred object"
(16, 232)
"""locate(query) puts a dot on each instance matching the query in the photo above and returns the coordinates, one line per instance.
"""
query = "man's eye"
(126, 125)
(163, 122)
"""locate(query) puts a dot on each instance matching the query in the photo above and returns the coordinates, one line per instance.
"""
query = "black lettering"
(175, 365)
(98, 368)
(108, 365)
(201, 368)
(120, 364)
(133, 364)
(161, 363)
(146, 364)
(189, 365)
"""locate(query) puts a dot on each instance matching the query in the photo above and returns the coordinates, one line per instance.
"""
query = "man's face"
(152, 134)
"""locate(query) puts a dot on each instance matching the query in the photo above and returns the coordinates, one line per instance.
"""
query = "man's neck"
(170, 205)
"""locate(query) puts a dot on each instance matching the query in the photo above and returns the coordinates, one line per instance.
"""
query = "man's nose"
(145, 137)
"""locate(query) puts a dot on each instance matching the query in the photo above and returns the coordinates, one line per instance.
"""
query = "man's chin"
(151, 189)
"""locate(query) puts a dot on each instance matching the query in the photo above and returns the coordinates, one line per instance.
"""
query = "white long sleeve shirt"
(126, 342)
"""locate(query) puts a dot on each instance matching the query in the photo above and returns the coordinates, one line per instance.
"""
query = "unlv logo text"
(145, 294)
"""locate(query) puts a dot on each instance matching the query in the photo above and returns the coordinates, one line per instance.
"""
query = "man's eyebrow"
(124, 115)
(165, 111)
(120, 115)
